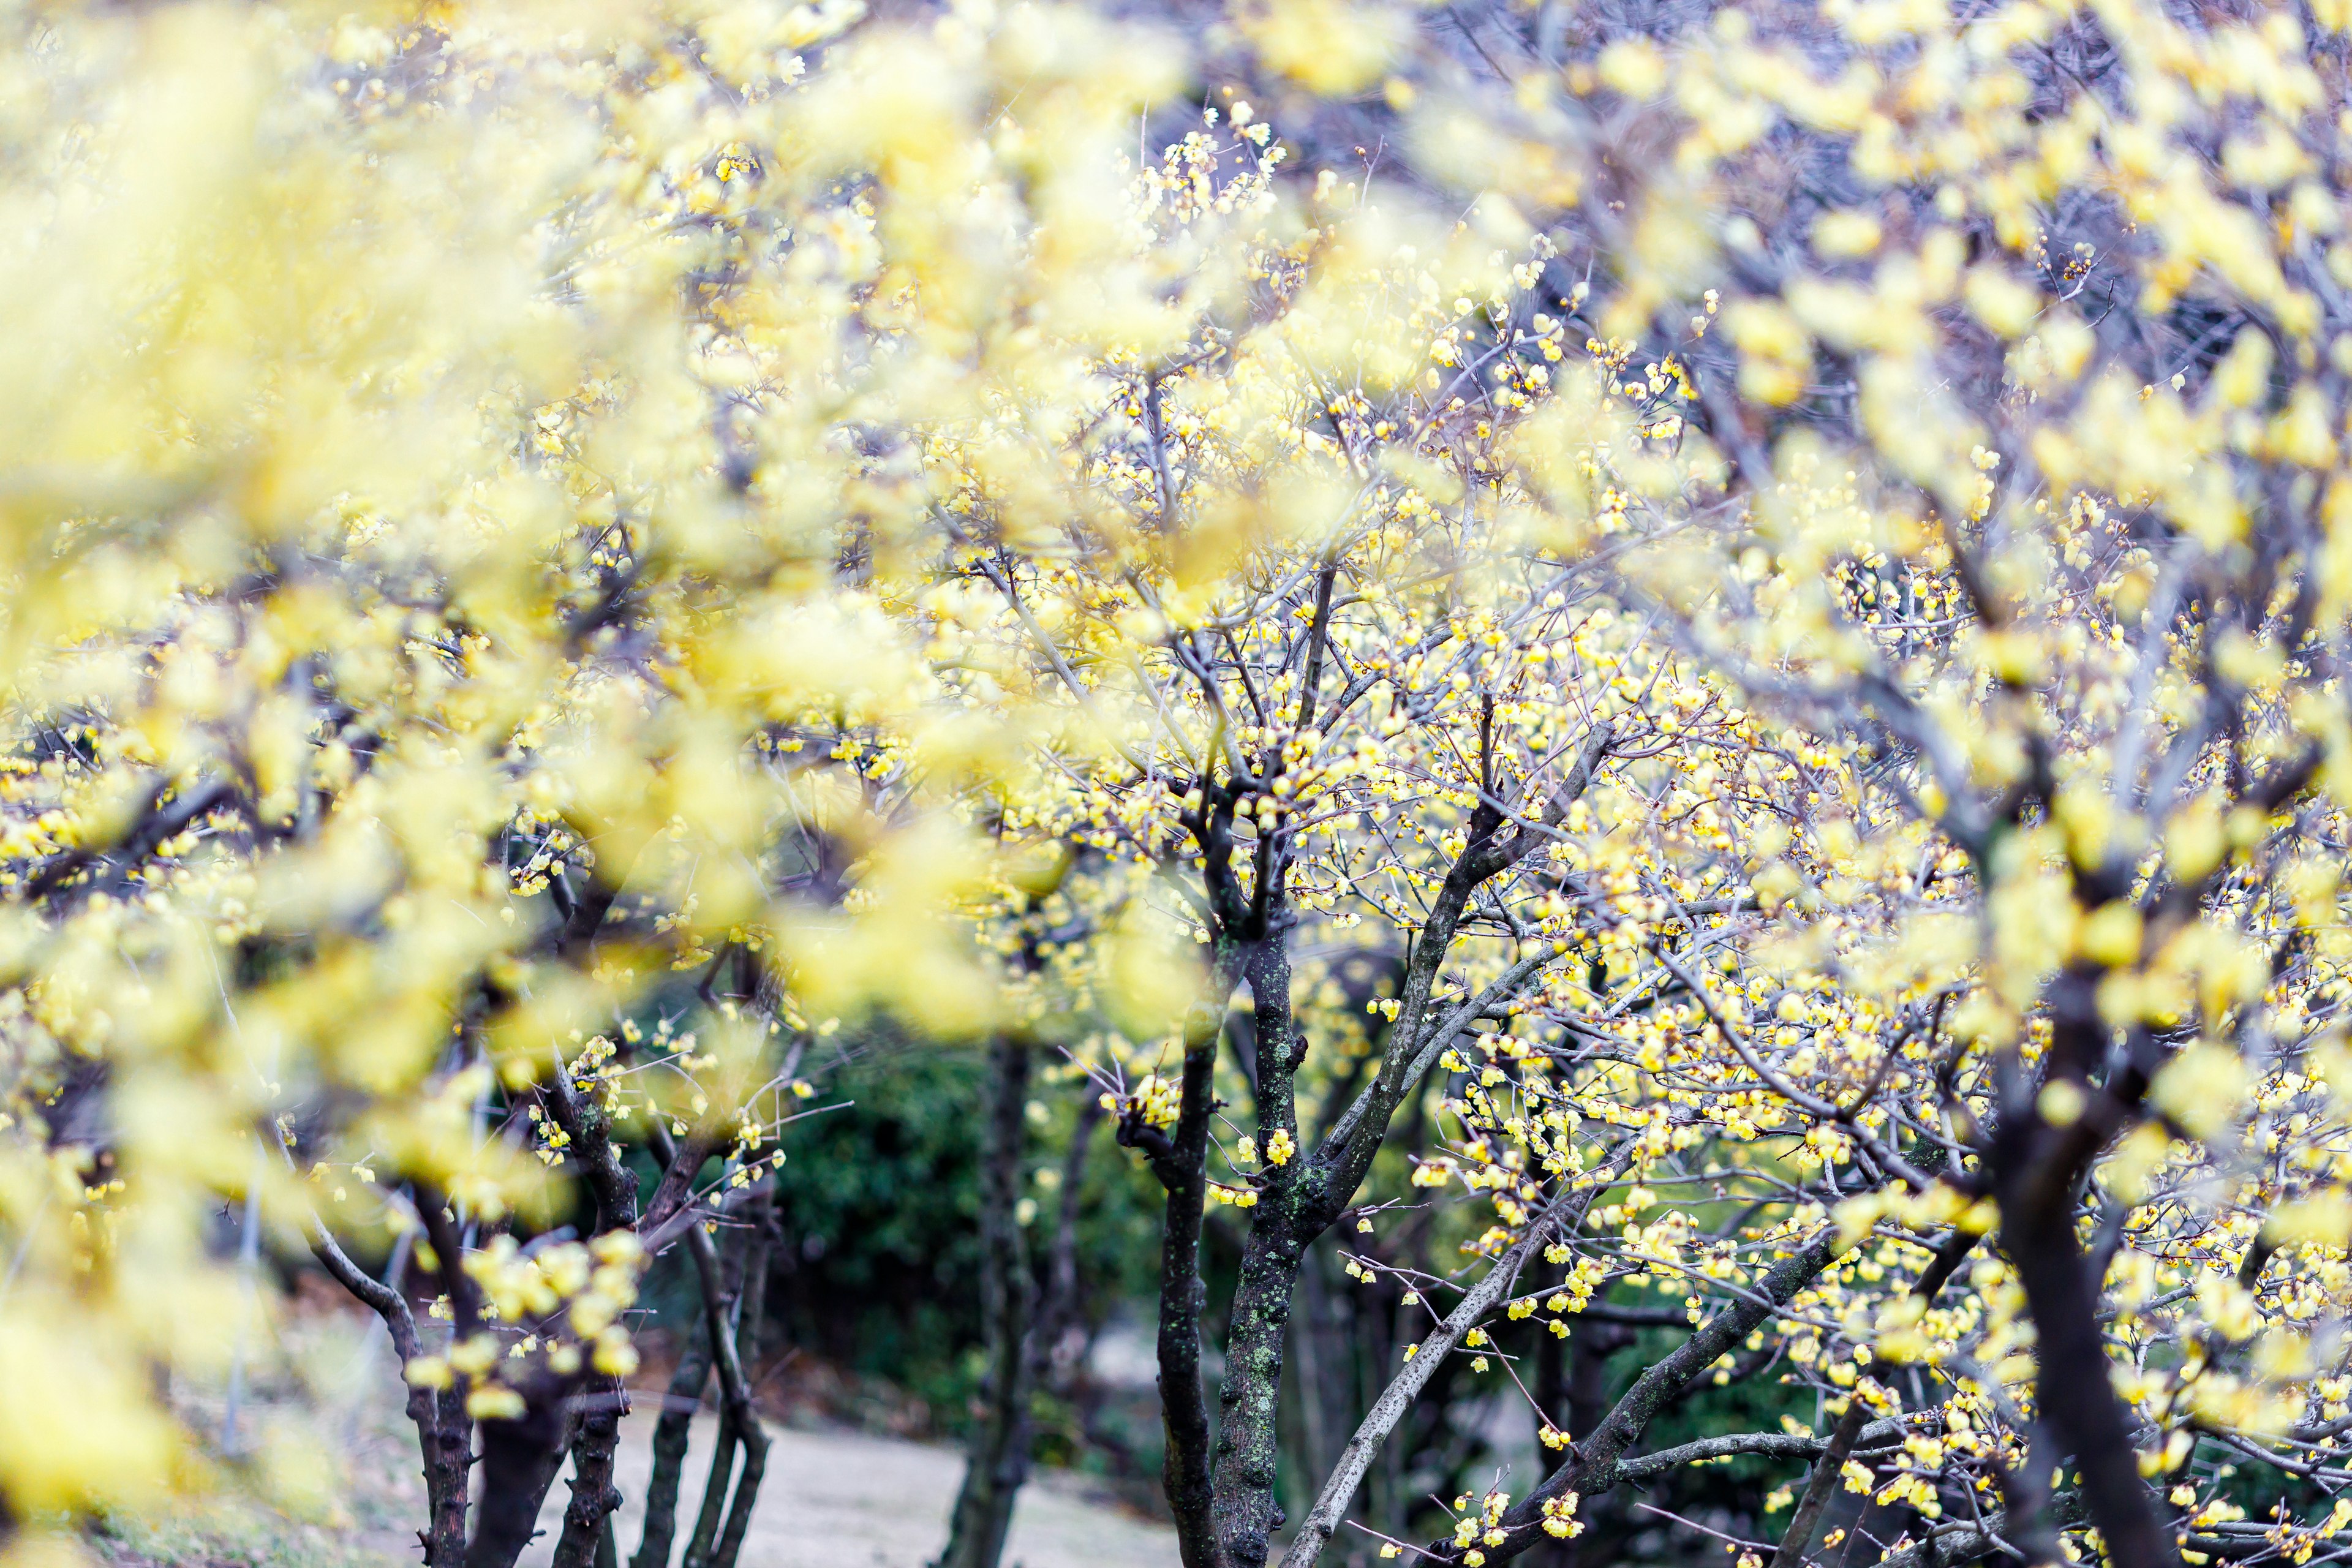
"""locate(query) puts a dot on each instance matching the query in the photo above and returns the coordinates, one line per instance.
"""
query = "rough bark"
(1242, 1501)
(521, 1458)
(1183, 1404)
(451, 1455)
(587, 1518)
(671, 1435)
(1179, 1159)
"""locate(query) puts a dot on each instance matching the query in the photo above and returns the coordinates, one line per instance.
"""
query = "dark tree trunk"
(2037, 1171)
(1299, 1199)
(604, 1399)
(448, 1478)
(519, 1461)
(1247, 1440)
(1180, 1160)
(719, 1527)
(722, 1291)
(587, 1520)
(715, 1488)
(2075, 1395)
(671, 1436)
(747, 1493)
(997, 1459)
(719, 1531)
(1025, 1322)
(1242, 1506)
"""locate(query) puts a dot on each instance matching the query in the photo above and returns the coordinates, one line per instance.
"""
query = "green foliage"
(879, 1204)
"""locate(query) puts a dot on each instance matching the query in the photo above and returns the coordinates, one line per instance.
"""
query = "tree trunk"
(587, 1521)
(1289, 1215)
(723, 1292)
(740, 1431)
(671, 1435)
(998, 1464)
(2037, 1168)
(715, 1488)
(1249, 1398)
(997, 1458)
(519, 1461)
(750, 1316)
(448, 1478)
(2075, 1393)
(605, 1400)
(1181, 1163)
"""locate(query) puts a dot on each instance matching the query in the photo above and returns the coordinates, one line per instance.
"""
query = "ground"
(848, 1499)
(323, 1433)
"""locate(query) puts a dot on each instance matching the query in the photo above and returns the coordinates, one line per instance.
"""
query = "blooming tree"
(1747, 711)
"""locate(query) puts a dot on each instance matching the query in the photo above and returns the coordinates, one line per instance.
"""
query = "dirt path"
(844, 1499)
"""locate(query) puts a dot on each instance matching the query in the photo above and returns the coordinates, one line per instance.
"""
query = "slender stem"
(444, 1436)
(1598, 1462)
(739, 1427)
(1331, 1504)
(1822, 1485)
